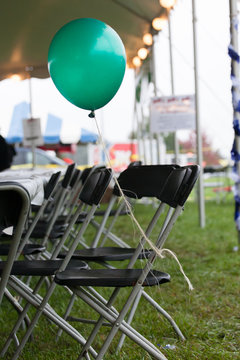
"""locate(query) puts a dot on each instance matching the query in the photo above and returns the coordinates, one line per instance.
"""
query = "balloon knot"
(92, 114)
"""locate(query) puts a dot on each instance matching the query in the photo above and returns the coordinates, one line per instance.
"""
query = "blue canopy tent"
(52, 132)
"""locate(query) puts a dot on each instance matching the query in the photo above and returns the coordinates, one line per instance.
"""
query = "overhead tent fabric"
(55, 129)
(27, 28)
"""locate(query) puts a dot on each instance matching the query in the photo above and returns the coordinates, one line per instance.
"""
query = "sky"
(213, 37)
(116, 119)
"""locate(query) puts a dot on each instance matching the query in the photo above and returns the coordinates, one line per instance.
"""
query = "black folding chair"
(104, 233)
(49, 228)
(172, 186)
(108, 254)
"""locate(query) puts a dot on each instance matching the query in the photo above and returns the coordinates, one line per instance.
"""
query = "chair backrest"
(75, 177)
(51, 184)
(88, 171)
(85, 174)
(68, 175)
(179, 185)
(95, 186)
(135, 163)
(169, 183)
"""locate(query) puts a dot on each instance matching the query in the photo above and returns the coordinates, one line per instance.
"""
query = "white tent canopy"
(27, 27)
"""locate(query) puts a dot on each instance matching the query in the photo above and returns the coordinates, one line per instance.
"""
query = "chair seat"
(109, 277)
(29, 249)
(41, 267)
(56, 232)
(106, 254)
(112, 212)
(45, 222)
(79, 220)
(6, 238)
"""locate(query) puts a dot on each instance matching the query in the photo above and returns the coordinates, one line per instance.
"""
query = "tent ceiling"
(27, 27)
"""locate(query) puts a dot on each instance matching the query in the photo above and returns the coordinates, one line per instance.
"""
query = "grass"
(208, 316)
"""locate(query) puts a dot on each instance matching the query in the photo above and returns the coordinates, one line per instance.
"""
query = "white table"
(33, 180)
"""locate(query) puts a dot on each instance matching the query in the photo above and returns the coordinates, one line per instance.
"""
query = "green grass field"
(209, 316)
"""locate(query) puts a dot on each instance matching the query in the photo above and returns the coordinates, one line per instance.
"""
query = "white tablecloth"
(33, 180)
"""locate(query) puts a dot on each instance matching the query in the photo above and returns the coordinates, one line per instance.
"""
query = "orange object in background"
(68, 160)
(121, 154)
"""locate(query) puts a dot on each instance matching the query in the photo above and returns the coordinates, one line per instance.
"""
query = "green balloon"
(87, 62)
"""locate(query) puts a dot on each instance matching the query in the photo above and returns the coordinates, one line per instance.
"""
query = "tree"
(210, 156)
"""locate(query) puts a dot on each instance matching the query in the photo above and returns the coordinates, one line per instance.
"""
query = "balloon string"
(159, 252)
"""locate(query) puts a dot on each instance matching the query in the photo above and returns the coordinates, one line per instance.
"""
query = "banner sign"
(32, 135)
(172, 113)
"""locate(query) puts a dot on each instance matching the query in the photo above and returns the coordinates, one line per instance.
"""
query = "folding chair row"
(14, 200)
(171, 185)
(91, 194)
(11, 200)
(14, 212)
(52, 217)
(34, 268)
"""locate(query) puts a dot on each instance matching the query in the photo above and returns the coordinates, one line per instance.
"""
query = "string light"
(159, 23)
(167, 3)
(143, 53)
(147, 39)
(15, 77)
(136, 61)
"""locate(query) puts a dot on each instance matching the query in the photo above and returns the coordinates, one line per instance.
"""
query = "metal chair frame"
(174, 193)
(99, 179)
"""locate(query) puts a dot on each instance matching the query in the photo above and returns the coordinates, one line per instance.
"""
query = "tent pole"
(201, 204)
(138, 112)
(31, 115)
(176, 143)
(158, 136)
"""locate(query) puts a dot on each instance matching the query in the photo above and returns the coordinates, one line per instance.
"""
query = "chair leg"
(67, 312)
(116, 325)
(129, 319)
(111, 236)
(158, 308)
(103, 222)
(19, 309)
(44, 301)
(165, 314)
(36, 301)
(109, 229)
(20, 319)
(132, 261)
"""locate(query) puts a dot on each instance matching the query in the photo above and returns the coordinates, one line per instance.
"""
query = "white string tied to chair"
(159, 252)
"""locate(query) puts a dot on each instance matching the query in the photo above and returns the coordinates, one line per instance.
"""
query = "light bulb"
(147, 39)
(143, 53)
(167, 3)
(159, 23)
(15, 77)
(136, 61)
